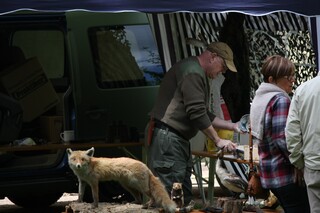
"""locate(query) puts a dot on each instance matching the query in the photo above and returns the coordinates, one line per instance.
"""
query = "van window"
(46, 45)
(125, 56)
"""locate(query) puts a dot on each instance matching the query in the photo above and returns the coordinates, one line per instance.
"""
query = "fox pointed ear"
(90, 152)
(69, 151)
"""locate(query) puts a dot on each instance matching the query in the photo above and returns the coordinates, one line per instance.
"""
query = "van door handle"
(95, 113)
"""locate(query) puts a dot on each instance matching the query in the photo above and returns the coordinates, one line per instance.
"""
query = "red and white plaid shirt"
(275, 167)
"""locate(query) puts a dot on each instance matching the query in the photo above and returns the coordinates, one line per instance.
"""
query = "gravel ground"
(110, 207)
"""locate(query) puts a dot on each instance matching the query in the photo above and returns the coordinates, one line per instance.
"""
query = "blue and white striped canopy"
(253, 7)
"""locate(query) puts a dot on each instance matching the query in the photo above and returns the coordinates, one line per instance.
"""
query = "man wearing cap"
(181, 110)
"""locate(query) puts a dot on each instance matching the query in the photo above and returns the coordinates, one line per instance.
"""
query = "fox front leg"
(95, 193)
(82, 186)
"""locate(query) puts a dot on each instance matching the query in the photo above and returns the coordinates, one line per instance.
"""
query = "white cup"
(67, 135)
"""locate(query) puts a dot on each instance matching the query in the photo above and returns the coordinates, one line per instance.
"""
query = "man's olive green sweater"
(183, 99)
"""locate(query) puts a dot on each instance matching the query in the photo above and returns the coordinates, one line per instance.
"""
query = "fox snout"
(78, 163)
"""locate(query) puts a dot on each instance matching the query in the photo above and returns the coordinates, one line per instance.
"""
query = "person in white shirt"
(303, 137)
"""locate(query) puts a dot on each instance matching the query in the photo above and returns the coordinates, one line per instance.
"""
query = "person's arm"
(193, 92)
(294, 135)
(223, 124)
(276, 117)
(227, 145)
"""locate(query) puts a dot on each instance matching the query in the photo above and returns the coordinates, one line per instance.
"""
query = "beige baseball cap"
(225, 52)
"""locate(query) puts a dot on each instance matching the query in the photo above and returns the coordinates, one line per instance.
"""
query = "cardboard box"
(51, 127)
(28, 83)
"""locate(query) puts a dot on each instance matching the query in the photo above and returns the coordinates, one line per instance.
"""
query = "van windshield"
(125, 56)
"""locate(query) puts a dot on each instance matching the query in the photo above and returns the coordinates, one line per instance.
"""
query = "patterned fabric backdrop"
(282, 33)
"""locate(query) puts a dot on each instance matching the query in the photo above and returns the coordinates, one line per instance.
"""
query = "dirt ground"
(67, 201)
(104, 207)
(110, 207)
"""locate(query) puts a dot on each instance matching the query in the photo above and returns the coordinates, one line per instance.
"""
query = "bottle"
(211, 145)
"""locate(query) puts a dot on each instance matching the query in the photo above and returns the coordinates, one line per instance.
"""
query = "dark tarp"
(254, 7)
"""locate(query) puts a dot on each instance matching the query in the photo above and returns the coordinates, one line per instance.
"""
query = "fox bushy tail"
(160, 195)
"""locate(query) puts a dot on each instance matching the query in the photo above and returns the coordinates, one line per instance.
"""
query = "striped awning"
(257, 7)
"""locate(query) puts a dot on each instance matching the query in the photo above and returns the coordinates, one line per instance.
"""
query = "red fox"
(132, 174)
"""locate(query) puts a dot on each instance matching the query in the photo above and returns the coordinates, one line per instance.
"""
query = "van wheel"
(35, 200)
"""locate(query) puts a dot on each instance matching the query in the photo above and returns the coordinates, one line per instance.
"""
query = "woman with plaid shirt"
(268, 116)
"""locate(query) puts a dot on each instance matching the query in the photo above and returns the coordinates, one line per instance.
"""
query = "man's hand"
(298, 177)
(237, 129)
(226, 145)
